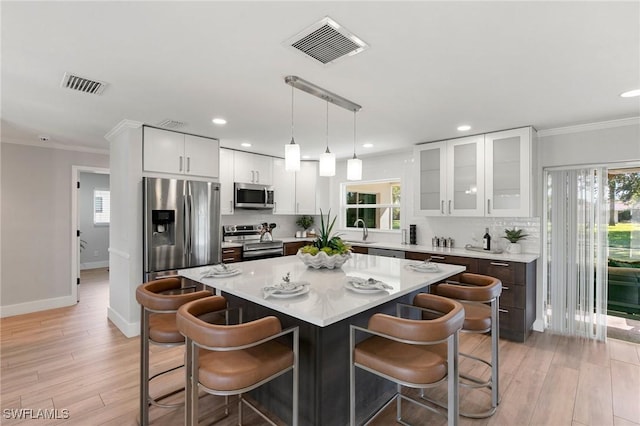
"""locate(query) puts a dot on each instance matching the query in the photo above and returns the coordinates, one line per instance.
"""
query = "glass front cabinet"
(483, 175)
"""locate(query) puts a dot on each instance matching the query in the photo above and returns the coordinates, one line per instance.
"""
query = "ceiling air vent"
(171, 124)
(82, 84)
(327, 41)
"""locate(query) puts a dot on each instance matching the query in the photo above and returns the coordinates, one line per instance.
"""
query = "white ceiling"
(431, 66)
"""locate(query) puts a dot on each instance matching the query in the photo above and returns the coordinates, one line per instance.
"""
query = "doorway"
(90, 222)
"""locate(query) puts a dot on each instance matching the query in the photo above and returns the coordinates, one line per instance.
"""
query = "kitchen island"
(323, 314)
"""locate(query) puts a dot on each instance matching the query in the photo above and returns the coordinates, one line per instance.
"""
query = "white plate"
(290, 287)
(418, 267)
(216, 274)
(300, 292)
(365, 290)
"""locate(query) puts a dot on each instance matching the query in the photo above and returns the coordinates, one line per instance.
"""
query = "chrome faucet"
(365, 231)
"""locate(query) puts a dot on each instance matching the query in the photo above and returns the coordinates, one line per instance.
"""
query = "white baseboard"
(538, 325)
(36, 306)
(127, 328)
(94, 265)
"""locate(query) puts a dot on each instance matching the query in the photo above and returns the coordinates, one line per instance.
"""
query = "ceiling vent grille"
(327, 41)
(171, 124)
(82, 84)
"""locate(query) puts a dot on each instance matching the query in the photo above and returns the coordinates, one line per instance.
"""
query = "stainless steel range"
(256, 240)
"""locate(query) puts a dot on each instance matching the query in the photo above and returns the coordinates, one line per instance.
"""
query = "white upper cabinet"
(465, 177)
(306, 180)
(485, 175)
(431, 187)
(508, 172)
(252, 168)
(295, 192)
(284, 189)
(226, 181)
(179, 154)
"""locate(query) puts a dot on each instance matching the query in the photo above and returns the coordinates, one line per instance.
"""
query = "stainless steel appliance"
(181, 225)
(254, 245)
(253, 196)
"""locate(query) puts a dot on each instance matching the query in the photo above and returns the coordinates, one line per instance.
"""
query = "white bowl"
(323, 260)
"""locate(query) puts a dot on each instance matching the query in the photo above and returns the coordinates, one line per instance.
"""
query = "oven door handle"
(262, 252)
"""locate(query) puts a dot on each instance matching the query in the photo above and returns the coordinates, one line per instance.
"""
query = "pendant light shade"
(354, 165)
(327, 159)
(292, 149)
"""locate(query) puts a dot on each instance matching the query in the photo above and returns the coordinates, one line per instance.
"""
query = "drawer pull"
(505, 288)
(438, 257)
(228, 259)
(503, 310)
(227, 251)
(500, 264)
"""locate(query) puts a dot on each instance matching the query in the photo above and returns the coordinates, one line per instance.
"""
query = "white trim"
(129, 329)
(632, 121)
(123, 125)
(56, 145)
(36, 306)
(122, 254)
(75, 223)
(94, 265)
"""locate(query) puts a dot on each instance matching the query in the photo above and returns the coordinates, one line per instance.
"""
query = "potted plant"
(328, 250)
(513, 236)
(304, 222)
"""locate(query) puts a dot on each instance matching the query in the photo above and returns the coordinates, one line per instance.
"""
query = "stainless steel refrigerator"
(181, 225)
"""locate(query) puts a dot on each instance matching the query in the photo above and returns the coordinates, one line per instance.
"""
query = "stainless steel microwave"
(253, 196)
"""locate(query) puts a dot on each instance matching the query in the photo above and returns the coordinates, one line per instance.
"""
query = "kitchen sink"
(359, 242)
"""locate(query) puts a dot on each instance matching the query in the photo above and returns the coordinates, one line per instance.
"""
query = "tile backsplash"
(469, 230)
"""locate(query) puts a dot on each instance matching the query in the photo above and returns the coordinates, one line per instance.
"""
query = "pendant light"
(354, 165)
(327, 159)
(292, 149)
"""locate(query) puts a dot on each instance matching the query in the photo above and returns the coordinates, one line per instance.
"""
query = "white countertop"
(328, 301)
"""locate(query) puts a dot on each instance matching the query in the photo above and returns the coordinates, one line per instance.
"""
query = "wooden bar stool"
(234, 359)
(417, 353)
(159, 301)
(480, 295)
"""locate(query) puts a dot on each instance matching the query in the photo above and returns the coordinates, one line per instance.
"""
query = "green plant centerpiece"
(514, 235)
(328, 250)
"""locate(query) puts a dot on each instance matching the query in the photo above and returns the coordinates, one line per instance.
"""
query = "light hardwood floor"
(74, 359)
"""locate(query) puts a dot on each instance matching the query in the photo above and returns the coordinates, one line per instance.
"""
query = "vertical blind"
(576, 252)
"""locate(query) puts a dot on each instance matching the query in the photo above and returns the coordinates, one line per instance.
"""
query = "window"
(101, 207)
(376, 203)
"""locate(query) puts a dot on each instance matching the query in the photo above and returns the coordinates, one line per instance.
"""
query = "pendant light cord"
(292, 141)
(327, 127)
(354, 134)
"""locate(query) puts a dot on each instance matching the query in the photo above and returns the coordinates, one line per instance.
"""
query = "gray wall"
(96, 251)
(36, 221)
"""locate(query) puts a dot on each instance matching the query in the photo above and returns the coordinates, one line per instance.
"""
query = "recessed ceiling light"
(219, 121)
(464, 128)
(367, 145)
(246, 144)
(630, 93)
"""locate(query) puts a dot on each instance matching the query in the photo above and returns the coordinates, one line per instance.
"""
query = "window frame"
(344, 206)
(99, 192)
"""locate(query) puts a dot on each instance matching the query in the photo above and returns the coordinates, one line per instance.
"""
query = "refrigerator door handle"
(185, 221)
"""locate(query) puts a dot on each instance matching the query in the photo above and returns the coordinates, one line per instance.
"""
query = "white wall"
(36, 223)
(96, 251)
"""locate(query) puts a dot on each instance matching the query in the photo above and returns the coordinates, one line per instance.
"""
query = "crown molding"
(631, 121)
(56, 145)
(121, 126)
